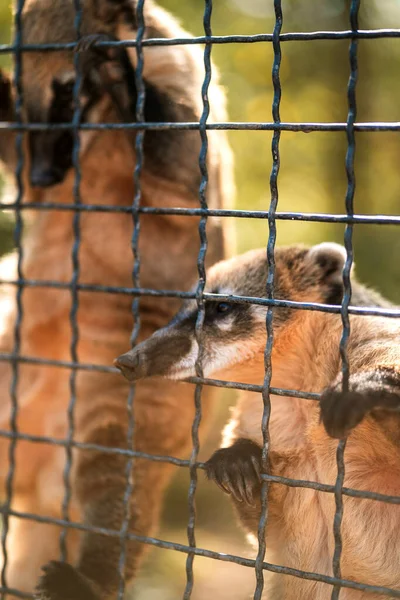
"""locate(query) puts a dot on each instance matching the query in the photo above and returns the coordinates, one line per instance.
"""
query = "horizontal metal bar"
(313, 306)
(62, 364)
(330, 489)
(275, 303)
(193, 125)
(83, 287)
(211, 212)
(214, 39)
(289, 482)
(249, 387)
(246, 562)
(64, 443)
(44, 362)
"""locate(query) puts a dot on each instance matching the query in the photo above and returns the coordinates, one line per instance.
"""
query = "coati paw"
(88, 41)
(375, 392)
(61, 581)
(237, 470)
(341, 412)
(94, 57)
(106, 69)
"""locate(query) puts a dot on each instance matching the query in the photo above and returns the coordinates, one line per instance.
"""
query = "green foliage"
(6, 229)
(314, 88)
(5, 30)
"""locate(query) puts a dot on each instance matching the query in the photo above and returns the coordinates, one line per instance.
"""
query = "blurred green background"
(314, 79)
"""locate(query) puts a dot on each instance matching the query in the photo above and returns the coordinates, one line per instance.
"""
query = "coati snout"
(156, 356)
(51, 151)
(234, 333)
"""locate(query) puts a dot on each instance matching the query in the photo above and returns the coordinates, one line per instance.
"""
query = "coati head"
(49, 78)
(234, 334)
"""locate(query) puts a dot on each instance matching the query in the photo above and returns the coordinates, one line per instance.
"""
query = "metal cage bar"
(199, 300)
(348, 241)
(18, 231)
(217, 126)
(73, 286)
(139, 110)
(218, 39)
(270, 290)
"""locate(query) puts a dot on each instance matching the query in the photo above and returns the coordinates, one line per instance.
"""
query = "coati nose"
(129, 365)
(46, 177)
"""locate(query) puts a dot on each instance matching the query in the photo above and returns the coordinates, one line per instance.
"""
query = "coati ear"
(116, 11)
(329, 258)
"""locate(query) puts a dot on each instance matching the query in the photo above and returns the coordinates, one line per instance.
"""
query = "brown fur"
(306, 357)
(168, 247)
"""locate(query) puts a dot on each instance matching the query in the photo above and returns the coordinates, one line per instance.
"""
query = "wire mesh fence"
(349, 218)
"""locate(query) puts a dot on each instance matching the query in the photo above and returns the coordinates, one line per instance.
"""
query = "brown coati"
(168, 247)
(305, 357)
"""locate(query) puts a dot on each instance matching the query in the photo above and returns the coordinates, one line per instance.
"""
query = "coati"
(305, 357)
(168, 246)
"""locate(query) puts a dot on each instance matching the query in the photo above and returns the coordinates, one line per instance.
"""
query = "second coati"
(305, 357)
(168, 245)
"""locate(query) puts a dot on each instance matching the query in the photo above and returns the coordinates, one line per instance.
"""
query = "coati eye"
(223, 307)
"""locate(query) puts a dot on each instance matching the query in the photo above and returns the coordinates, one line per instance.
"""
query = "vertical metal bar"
(18, 231)
(348, 242)
(199, 298)
(140, 103)
(270, 295)
(74, 283)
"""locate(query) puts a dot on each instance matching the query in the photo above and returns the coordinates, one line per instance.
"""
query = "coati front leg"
(100, 479)
(100, 484)
(374, 392)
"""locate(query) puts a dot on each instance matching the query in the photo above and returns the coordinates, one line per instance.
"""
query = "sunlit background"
(312, 178)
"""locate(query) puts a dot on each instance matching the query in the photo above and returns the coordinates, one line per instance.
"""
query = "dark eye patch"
(240, 316)
(62, 105)
(242, 321)
(51, 151)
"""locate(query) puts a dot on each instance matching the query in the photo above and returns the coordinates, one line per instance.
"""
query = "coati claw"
(87, 42)
(237, 470)
(61, 581)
